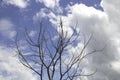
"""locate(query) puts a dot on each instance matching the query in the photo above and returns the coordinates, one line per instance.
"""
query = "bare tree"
(49, 57)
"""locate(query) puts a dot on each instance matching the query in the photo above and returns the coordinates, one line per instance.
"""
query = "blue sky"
(24, 15)
(98, 16)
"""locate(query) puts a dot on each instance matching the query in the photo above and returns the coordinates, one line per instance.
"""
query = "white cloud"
(18, 3)
(105, 29)
(82, 16)
(116, 66)
(49, 3)
(52, 5)
(32, 33)
(11, 68)
(41, 14)
(7, 28)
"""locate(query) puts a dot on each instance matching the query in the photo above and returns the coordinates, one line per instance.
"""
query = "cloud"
(110, 60)
(32, 33)
(7, 28)
(11, 68)
(17, 3)
(49, 3)
(41, 14)
(106, 32)
(105, 27)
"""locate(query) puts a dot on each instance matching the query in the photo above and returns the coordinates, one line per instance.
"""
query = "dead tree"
(49, 58)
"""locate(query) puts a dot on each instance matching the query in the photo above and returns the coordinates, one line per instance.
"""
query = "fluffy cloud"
(49, 3)
(110, 60)
(7, 28)
(18, 3)
(41, 14)
(105, 29)
(106, 32)
(52, 5)
(11, 68)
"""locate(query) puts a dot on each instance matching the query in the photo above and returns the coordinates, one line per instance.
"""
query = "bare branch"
(49, 55)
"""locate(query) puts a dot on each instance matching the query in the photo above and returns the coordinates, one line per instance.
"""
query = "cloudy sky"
(100, 17)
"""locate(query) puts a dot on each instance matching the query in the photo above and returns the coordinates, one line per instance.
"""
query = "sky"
(100, 17)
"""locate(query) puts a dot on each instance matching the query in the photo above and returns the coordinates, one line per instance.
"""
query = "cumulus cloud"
(105, 28)
(41, 14)
(18, 3)
(7, 28)
(49, 3)
(110, 60)
(11, 68)
(106, 32)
